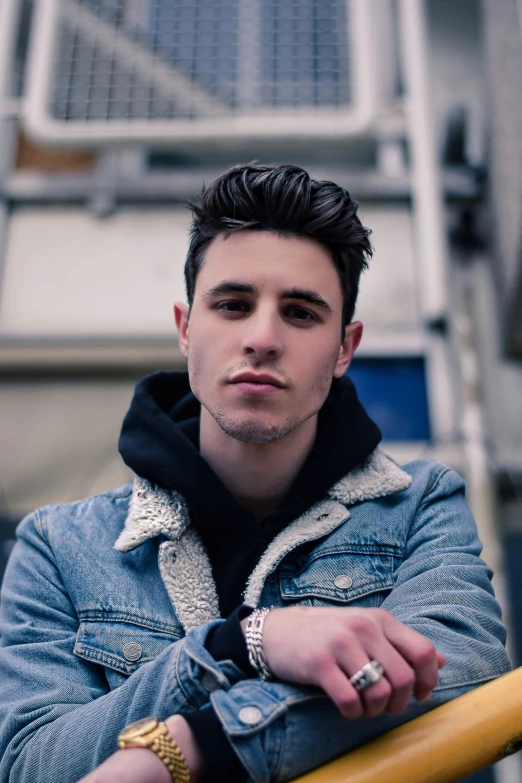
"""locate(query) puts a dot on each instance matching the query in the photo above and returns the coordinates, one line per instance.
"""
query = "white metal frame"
(10, 12)
(257, 124)
(428, 212)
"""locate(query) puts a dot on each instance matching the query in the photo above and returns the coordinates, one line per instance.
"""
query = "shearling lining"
(183, 561)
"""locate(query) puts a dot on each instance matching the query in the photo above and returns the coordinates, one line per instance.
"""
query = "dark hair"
(287, 201)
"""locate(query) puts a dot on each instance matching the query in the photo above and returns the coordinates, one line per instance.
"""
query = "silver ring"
(371, 672)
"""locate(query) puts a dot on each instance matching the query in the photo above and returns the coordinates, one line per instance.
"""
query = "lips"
(262, 379)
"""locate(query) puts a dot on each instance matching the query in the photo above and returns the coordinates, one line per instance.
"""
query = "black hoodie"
(160, 442)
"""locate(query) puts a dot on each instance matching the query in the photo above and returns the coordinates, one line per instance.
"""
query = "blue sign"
(393, 391)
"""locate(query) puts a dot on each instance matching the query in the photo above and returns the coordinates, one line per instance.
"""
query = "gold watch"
(154, 734)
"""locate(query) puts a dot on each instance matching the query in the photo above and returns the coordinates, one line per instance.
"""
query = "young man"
(259, 483)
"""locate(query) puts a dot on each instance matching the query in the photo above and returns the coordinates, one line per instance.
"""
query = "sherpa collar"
(183, 562)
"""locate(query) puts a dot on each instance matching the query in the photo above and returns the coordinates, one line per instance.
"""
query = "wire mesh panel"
(164, 68)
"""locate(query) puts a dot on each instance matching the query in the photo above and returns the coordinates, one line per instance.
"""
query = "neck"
(258, 475)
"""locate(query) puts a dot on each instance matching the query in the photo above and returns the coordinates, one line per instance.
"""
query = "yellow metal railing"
(443, 746)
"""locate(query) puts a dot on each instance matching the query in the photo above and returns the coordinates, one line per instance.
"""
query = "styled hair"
(288, 202)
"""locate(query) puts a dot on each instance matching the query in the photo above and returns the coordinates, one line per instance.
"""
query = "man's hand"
(326, 646)
(140, 765)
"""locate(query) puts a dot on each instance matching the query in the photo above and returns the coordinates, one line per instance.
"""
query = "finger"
(441, 660)
(374, 698)
(349, 659)
(399, 675)
(419, 652)
(339, 688)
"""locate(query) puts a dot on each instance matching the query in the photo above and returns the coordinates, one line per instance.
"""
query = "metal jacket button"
(343, 581)
(132, 651)
(209, 682)
(250, 715)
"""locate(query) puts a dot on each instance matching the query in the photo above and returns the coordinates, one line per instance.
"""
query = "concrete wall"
(69, 274)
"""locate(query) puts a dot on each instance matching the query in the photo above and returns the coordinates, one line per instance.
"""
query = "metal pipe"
(446, 745)
(10, 13)
(32, 186)
(425, 173)
(427, 210)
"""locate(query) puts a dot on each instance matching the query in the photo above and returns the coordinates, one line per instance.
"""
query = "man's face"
(263, 340)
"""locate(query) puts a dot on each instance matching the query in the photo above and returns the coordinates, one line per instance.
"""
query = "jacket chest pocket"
(120, 645)
(340, 578)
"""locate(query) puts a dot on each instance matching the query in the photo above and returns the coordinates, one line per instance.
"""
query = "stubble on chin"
(254, 431)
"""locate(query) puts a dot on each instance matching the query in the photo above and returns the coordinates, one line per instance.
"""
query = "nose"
(262, 338)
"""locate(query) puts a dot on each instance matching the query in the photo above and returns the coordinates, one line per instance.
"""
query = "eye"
(300, 314)
(232, 306)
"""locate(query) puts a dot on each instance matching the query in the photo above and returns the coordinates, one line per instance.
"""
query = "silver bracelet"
(254, 642)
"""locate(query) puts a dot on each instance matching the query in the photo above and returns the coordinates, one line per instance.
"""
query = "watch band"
(168, 751)
(154, 734)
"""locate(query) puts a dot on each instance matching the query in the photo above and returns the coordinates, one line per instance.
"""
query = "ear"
(348, 347)
(181, 317)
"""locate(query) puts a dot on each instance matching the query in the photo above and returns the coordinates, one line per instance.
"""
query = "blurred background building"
(114, 112)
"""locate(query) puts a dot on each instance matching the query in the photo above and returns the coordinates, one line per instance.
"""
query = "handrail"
(445, 745)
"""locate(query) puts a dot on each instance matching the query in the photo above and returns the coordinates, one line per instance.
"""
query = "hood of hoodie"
(160, 442)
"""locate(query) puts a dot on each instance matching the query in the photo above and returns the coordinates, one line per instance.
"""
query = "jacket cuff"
(219, 759)
(196, 674)
(226, 641)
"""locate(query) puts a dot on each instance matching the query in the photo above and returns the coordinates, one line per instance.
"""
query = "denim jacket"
(106, 605)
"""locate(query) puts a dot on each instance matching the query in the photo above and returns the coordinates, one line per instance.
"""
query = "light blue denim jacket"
(88, 579)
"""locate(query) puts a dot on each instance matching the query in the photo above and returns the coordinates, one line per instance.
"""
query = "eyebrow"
(307, 295)
(238, 287)
(230, 287)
